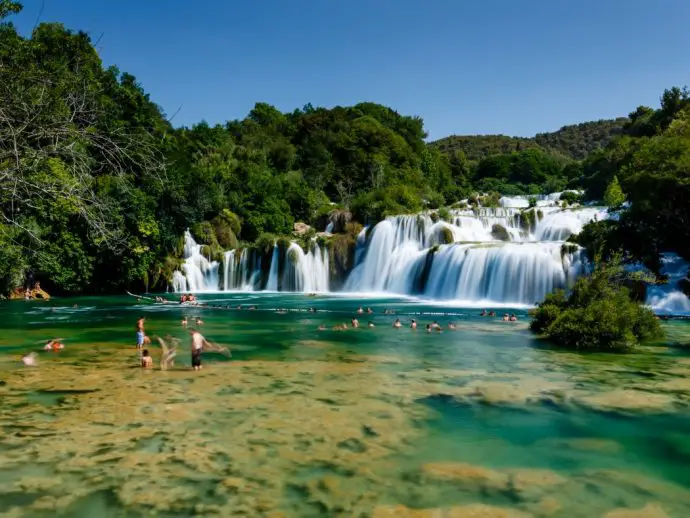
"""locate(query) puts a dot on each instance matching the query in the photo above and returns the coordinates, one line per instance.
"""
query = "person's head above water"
(146, 352)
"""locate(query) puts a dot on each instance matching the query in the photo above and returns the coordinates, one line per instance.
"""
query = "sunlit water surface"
(364, 422)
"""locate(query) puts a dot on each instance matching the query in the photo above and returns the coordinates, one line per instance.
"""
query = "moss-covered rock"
(529, 218)
(569, 248)
(339, 218)
(434, 217)
(446, 236)
(499, 233)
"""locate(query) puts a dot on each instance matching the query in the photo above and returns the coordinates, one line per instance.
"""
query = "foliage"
(614, 197)
(571, 197)
(598, 314)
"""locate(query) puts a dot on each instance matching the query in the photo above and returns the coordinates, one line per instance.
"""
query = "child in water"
(146, 360)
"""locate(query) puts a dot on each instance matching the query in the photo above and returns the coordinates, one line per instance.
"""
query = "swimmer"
(428, 328)
(198, 321)
(436, 325)
(146, 360)
(483, 313)
(360, 310)
(451, 325)
(54, 345)
(370, 325)
(506, 318)
(184, 322)
(369, 311)
(413, 325)
(513, 318)
(397, 324)
(322, 327)
(355, 323)
(492, 313)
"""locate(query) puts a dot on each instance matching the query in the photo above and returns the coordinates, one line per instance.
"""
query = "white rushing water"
(289, 270)
(198, 272)
(668, 298)
(469, 259)
(497, 255)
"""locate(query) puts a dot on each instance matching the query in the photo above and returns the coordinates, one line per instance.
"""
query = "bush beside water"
(599, 314)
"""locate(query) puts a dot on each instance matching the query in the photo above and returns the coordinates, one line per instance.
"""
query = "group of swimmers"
(492, 313)
(354, 323)
(187, 298)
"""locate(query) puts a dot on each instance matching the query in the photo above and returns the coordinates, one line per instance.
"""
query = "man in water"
(199, 322)
(413, 325)
(355, 323)
(198, 342)
(141, 335)
(397, 324)
(184, 322)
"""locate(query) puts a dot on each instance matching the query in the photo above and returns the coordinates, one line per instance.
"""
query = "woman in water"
(397, 324)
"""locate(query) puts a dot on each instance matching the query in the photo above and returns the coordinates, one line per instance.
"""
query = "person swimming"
(355, 323)
(397, 324)
(146, 360)
(198, 321)
(322, 327)
(371, 324)
(506, 318)
(369, 311)
(451, 325)
(483, 313)
(54, 345)
(184, 322)
(413, 324)
(435, 325)
(428, 328)
(360, 310)
(513, 318)
(492, 313)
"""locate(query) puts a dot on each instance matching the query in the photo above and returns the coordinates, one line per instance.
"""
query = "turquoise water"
(361, 422)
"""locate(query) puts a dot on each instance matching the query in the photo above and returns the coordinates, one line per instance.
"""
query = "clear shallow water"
(367, 422)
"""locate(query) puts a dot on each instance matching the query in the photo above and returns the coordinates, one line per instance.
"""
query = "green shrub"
(204, 233)
(445, 215)
(571, 198)
(447, 236)
(532, 202)
(598, 315)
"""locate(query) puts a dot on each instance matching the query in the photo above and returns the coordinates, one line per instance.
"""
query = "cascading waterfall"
(466, 259)
(198, 273)
(463, 260)
(289, 270)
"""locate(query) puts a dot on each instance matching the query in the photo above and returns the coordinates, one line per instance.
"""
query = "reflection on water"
(367, 422)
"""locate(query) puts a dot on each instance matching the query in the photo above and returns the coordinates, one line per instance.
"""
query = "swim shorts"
(196, 358)
(140, 338)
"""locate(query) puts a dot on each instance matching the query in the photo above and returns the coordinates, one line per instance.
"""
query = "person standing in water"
(141, 335)
(146, 360)
(198, 342)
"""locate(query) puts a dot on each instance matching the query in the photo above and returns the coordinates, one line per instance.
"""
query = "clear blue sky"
(516, 67)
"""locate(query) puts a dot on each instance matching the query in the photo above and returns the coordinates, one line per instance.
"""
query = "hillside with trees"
(97, 187)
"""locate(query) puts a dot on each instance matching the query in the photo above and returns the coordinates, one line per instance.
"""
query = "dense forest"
(97, 187)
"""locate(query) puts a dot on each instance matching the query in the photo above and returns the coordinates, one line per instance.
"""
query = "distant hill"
(575, 141)
(579, 140)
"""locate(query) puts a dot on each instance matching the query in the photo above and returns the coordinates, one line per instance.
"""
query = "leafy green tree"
(614, 197)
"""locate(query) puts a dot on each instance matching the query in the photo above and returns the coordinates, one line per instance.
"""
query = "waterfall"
(668, 298)
(469, 259)
(507, 254)
(198, 273)
(272, 284)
